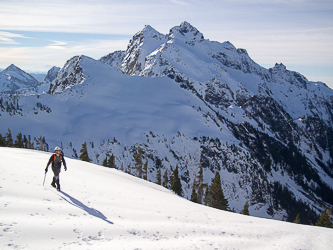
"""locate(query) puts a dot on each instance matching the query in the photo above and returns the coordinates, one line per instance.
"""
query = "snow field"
(101, 208)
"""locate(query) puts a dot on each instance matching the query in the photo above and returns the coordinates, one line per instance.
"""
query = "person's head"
(57, 150)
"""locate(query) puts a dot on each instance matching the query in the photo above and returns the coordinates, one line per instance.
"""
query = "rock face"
(114, 59)
(184, 101)
(70, 75)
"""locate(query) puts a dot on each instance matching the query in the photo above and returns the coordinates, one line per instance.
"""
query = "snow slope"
(114, 104)
(101, 208)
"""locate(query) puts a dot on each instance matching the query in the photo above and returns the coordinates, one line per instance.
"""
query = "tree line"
(23, 141)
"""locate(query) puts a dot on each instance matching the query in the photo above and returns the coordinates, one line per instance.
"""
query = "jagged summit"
(142, 44)
(186, 32)
(149, 31)
(70, 75)
(280, 67)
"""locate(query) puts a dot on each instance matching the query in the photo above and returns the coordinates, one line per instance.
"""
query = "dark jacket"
(56, 162)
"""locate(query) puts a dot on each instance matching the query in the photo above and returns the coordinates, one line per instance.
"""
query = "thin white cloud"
(39, 59)
(9, 37)
(57, 45)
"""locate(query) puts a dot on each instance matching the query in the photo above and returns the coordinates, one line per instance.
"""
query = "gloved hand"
(45, 170)
(65, 168)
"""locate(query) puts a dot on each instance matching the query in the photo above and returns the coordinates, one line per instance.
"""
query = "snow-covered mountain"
(51, 74)
(13, 79)
(102, 208)
(186, 100)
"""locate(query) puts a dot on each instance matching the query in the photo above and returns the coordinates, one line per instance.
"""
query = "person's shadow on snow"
(80, 205)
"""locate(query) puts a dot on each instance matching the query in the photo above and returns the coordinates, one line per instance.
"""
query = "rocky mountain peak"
(279, 67)
(186, 32)
(12, 67)
(142, 44)
(146, 33)
(71, 74)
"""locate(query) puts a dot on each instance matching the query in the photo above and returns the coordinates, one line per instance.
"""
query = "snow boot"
(53, 183)
(58, 185)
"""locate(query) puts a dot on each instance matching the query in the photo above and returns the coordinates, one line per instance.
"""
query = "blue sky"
(36, 35)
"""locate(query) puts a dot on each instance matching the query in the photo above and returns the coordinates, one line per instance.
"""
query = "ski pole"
(44, 178)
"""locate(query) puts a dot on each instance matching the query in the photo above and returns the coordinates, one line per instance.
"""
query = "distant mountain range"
(186, 100)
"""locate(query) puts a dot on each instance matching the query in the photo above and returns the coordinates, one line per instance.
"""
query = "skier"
(56, 159)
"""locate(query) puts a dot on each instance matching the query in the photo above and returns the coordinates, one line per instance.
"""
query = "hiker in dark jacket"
(56, 159)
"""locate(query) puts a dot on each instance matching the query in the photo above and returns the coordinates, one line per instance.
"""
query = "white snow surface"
(102, 208)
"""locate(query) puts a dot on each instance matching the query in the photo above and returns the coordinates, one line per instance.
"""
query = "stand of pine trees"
(110, 163)
(22, 141)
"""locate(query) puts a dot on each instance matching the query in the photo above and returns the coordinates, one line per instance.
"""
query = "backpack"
(55, 156)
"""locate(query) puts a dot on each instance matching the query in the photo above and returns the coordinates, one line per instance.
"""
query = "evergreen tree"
(165, 179)
(145, 171)
(283, 218)
(245, 210)
(297, 220)
(84, 153)
(121, 167)
(216, 197)
(199, 185)
(111, 162)
(159, 176)
(194, 196)
(176, 185)
(105, 161)
(2, 141)
(9, 139)
(138, 162)
(325, 219)
(18, 142)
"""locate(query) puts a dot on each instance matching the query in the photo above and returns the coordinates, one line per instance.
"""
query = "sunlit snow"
(101, 208)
